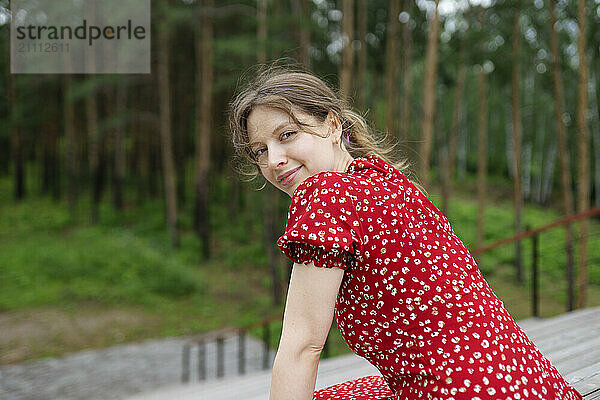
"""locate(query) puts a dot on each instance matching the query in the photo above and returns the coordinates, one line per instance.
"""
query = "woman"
(370, 248)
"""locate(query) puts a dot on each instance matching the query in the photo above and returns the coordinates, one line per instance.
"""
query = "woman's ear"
(333, 121)
(335, 127)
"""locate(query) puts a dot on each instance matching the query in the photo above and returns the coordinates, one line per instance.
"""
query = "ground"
(50, 331)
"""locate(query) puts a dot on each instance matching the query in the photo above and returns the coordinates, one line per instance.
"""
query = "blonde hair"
(286, 89)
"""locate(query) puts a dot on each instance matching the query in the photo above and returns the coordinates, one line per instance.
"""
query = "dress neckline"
(371, 161)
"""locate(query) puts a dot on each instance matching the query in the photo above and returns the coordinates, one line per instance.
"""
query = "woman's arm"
(308, 313)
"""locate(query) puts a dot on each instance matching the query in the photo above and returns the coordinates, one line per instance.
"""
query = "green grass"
(125, 262)
(47, 261)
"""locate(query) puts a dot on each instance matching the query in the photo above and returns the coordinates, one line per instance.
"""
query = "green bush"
(88, 264)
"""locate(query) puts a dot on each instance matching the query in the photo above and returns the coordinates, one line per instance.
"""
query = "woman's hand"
(308, 313)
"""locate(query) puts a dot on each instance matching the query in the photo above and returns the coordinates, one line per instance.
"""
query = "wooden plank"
(576, 327)
(576, 351)
(585, 380)
(256, 386)
(564, 322)
(566, 340)
(578, 362)
(595, 395)
(561, 320)
(530, 323)
(218, 389)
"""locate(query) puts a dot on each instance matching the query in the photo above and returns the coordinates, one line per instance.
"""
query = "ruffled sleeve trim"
(322, 224)
(303, 253)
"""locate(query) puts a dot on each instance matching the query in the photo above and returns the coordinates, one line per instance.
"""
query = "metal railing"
(534, 235)
(200, 342)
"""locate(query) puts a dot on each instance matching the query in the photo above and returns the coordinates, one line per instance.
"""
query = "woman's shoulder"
(365, 177)
(355, 174)
(327, 182)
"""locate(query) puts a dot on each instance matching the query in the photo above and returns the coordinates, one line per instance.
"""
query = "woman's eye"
(287, 134)
(259, 152)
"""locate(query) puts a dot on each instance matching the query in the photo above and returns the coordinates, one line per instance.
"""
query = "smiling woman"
(371, 249)
(287, 154)
(304, 103)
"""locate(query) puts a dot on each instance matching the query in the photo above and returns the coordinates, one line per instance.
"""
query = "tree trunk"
(305, 57)
(429, 96)
(583, 179)
(596, 139)
(548, 175)
(119, 166)
(563, 152)
(406, 77)
(361, 82)
(142, 150)
(180, 131)
(516, 137)
(95, 143)
(443, 160)
(456, 112)
(526, 168)
(461, 151)
(261, 32)
(49, 144)
(348, 35)
(481, 154)
(481, 144)
(302, 9)
(391, 57)
(182, 105)
(70, 146)
(143, 145)
(155, 155)
(204, 82)
(16, 137)
(449, 162)
(168, 164)
(94, 137)
(539, 153)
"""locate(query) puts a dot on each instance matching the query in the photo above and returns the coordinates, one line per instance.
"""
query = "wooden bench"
(572, 343)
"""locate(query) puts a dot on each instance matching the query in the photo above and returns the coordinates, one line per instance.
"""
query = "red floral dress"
(412, 301)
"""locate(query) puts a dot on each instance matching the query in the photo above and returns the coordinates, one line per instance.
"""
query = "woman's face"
(286, 154)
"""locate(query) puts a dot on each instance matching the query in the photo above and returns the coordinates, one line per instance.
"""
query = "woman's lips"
(289, 177)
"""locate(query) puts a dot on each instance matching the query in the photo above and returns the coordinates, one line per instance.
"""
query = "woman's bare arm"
(308, 314)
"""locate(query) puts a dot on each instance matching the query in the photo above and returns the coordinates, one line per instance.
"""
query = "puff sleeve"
(322, 226)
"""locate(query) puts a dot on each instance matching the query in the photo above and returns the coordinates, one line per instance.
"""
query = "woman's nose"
(276, 156)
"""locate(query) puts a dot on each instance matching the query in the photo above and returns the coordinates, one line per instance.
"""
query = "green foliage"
(104, 265)
(46, 260)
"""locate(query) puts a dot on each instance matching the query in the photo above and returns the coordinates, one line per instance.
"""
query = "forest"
(122, 188)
